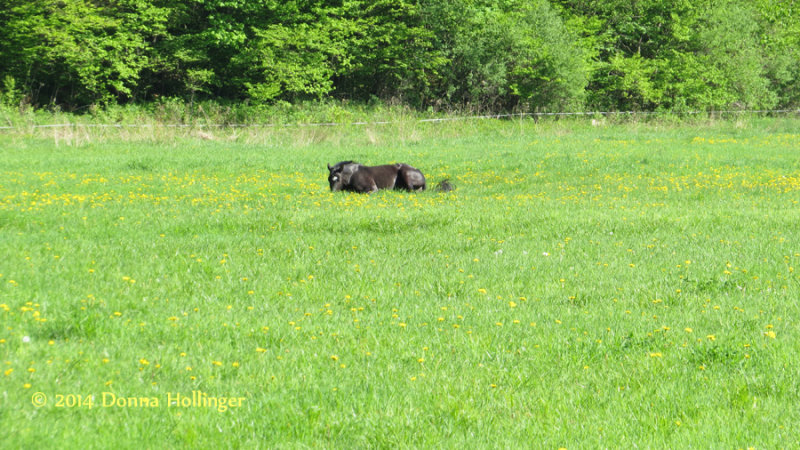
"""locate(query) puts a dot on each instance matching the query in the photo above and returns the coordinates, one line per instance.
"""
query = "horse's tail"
(444, 186)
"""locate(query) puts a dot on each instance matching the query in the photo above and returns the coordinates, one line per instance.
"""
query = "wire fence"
(389, 122)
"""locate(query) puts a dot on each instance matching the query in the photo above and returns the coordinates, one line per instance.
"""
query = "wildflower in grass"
(512, 305)
(687, 329)
(144, 362)
(8, 371)
(711, 337)
(334, 357)
(770, 334)
(656, 355)
(26, 385)
(216, 363)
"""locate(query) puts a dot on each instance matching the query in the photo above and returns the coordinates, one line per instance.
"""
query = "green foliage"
(390, 53)
(493, 55)
(287, 62)
(10, 94)
(78, 51)
(505, 54)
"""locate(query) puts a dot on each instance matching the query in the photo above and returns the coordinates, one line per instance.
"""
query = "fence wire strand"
(431, 120)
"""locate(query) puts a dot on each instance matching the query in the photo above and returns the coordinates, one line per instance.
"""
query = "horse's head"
(339, 175)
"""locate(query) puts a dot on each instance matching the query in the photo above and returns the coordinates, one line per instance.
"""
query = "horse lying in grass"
(352, 176)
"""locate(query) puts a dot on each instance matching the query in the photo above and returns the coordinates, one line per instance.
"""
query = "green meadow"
(583, 286)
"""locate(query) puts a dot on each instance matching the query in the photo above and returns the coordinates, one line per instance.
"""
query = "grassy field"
(583, 286)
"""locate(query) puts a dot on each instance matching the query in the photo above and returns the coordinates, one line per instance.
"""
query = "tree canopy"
(494, 55)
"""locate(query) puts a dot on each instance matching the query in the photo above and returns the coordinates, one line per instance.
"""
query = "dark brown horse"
(352, 176)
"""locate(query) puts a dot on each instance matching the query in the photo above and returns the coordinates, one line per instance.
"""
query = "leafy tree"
(486, 54)
(505, 54)
(674, 55)
(779, 36)
(389, 52)
(77, 51)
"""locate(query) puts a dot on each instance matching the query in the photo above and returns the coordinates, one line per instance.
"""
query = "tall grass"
(583, 286)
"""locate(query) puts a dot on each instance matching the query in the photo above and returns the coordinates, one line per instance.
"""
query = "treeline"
(492, 55)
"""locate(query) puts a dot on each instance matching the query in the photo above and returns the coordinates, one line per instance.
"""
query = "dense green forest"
(489, 55)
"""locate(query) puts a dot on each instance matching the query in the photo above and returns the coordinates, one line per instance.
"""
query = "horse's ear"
(329, 167)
